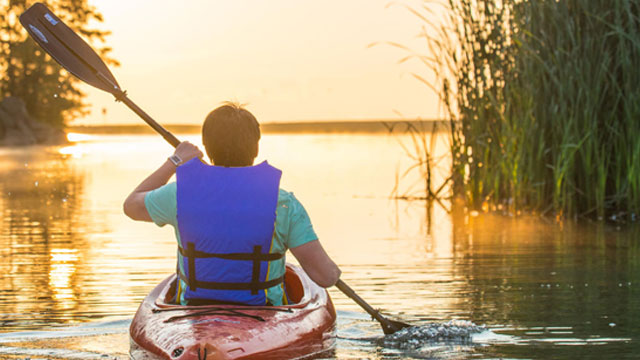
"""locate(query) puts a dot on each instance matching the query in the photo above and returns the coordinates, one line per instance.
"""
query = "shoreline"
(370, 126)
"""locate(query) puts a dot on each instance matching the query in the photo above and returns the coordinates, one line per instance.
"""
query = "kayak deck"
(161, 330)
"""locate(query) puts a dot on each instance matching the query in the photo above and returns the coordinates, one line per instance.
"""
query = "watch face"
(175, 159)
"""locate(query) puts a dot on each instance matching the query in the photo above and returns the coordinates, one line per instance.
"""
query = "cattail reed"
(544, 102)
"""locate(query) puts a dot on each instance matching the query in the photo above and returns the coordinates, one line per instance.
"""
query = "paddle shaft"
(157, 127)
(363, 304)
(122, 96)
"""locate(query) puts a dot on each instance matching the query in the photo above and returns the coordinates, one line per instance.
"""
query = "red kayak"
(161, 330)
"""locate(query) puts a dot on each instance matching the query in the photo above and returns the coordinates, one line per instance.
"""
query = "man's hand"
(186, 151)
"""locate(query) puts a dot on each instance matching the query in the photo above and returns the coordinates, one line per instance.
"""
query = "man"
(232, 221)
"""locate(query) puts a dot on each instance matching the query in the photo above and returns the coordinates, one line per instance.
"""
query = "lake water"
(74, 268)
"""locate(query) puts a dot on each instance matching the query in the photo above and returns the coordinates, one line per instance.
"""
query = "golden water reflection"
(41, 204)
(70, 255)
(60, 276)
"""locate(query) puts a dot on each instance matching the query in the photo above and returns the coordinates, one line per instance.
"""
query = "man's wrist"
(175, 160)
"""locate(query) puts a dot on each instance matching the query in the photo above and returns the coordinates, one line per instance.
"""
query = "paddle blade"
(67, 48)
(392, 326)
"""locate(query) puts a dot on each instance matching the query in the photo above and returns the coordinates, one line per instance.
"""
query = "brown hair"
(230, 135)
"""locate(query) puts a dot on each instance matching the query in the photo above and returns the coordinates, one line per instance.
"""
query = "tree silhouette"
(50, 93)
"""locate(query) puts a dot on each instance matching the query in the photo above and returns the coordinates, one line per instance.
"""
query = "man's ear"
(255, 155)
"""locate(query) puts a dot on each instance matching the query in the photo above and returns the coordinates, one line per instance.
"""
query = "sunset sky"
(289, 60)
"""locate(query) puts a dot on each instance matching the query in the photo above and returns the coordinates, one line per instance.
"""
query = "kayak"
(161, 330)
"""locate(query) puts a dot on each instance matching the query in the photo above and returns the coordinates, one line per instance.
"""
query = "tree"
(51, 94)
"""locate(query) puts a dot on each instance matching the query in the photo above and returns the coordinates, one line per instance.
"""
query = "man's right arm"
(305, 246)
(317, 263)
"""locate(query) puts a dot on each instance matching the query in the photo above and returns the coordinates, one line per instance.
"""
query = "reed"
(543, 98)
(420, 148)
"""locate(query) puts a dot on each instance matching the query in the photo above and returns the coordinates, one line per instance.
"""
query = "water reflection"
(40, 237)
(558, 284)
(62, 269)
(70, 255)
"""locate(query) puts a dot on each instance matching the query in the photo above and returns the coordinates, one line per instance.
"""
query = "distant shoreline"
(370, 126)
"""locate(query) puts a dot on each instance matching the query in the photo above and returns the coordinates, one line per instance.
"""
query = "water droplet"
(36, 183)
(612, 324)
(55, 95)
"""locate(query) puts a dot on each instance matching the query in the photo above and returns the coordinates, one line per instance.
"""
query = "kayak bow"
(161, 330)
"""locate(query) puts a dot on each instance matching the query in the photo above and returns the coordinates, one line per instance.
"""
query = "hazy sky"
(288, 60)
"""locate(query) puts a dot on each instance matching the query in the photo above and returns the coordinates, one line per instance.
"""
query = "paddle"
(75, 55)
(388, 326)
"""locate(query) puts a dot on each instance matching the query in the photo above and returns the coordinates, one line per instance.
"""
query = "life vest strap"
(256, 257)
(232, 286)
(255, 276)
(230, 256)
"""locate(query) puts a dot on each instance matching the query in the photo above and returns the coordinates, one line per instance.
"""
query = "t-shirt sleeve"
(161, 204)
(300, 228)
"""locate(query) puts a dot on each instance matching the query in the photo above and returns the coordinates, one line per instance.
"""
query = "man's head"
(230, 135)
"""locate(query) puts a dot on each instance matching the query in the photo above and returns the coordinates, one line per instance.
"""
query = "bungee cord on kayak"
(205, 307)
(222, 311)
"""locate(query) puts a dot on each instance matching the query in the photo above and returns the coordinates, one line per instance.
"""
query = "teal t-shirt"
(293, 228)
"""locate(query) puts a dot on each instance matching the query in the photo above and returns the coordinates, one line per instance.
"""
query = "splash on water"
(417, 336)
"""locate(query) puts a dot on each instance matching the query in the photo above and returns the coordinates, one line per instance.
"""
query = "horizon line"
(332, 126)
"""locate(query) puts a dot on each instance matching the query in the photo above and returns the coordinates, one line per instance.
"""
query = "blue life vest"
(226, 220)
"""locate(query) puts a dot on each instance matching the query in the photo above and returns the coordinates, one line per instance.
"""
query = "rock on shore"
(18, 128)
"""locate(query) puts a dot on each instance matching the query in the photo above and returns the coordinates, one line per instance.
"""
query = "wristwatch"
(175, 159)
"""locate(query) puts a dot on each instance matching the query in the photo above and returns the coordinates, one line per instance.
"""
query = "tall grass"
(544, 102)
